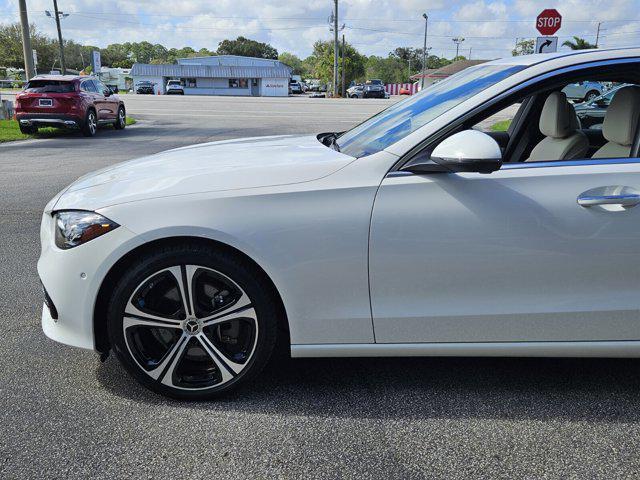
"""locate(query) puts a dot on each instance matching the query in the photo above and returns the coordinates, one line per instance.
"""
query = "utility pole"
(335, 48)
(458, 41)
(598, 34)
(57, 14)
(469, 57)
(344, 67)
(409, 69)
(424, 50)
(26, 40)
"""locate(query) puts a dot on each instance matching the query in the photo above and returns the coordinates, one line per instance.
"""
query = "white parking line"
(252, 115)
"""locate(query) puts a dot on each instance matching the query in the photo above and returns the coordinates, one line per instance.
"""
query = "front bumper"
(72, 279)
(48, 120)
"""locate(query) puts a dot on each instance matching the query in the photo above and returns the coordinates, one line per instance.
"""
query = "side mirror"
(466, 151)
(107, 92)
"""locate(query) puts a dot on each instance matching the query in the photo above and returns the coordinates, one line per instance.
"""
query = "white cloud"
(373, 26)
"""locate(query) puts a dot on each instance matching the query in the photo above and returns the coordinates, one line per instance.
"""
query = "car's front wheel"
(193, 323)
(591, 95)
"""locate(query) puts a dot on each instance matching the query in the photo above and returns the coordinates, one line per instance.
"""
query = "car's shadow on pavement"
(603, 390)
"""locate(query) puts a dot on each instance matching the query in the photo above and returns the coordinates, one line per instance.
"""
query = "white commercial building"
(219, 75)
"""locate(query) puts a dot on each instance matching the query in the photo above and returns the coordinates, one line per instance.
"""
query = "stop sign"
(548, 22)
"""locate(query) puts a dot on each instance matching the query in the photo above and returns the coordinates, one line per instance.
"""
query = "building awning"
(209, 71)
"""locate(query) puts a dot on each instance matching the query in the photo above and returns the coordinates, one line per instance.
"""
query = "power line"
(489, 37)
(367, 19)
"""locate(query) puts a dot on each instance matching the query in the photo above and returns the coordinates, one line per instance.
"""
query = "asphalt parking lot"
(65, 415)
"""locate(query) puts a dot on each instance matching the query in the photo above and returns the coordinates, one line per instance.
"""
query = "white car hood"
(216, 166)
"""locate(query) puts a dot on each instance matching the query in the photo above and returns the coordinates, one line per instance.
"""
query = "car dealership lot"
(64, 414)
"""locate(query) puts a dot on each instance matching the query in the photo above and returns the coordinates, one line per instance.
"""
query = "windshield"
(401, 119)
(48, 86)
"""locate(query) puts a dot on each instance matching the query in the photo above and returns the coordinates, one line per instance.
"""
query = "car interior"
(545, 126)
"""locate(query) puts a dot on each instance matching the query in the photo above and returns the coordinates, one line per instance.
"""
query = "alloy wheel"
(190, 327)
(121, 118)
(91, 120)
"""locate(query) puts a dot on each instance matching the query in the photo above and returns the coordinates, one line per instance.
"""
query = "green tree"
(299, 68)
(434, 62)
(246, 47)
(578, 44)
(524, 47)
(409, 55)
(11, 47)
(117, 55)
(390, 70)
(321, 62)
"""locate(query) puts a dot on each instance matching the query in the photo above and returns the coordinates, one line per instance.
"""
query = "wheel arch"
(100, 334)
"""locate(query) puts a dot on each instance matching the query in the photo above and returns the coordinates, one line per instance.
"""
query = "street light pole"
(26, 40)
(344, 67)
(57, 14)
(424, 49)
(335, 48)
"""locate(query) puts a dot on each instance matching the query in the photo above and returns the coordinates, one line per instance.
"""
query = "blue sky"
(490, 28)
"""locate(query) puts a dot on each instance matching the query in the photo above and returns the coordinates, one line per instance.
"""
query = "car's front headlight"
(75, 227)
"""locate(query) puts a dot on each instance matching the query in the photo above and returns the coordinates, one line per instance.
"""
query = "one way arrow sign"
(546, 44)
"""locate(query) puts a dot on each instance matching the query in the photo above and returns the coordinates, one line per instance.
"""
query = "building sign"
(274, 85)
(96, 62)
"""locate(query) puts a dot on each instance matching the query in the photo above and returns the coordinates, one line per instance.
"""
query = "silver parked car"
(413, 233)
(355, 91)
(584, 91)
(174, 87)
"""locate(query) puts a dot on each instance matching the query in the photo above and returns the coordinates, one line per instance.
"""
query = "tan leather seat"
(559, 124)
(620, 123)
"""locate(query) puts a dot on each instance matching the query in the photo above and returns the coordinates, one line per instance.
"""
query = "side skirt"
(622, 349)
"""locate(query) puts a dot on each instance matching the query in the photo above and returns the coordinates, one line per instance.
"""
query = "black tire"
(241, 272)
(90, 125)
(28, 129)
(591, 94)
(121, 119)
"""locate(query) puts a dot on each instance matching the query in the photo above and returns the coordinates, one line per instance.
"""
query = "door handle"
(625, 200)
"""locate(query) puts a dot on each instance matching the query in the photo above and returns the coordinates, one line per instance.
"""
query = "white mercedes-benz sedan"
(475, 218)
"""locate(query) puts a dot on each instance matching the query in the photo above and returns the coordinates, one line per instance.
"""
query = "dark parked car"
(145, 88)
(373, 89)
(68, 102)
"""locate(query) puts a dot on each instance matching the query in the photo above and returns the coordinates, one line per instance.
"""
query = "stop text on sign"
(549, 21)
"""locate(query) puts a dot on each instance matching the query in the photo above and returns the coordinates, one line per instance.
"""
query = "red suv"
(68, 102)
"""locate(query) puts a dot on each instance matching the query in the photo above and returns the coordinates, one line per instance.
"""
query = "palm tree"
(578, 44)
